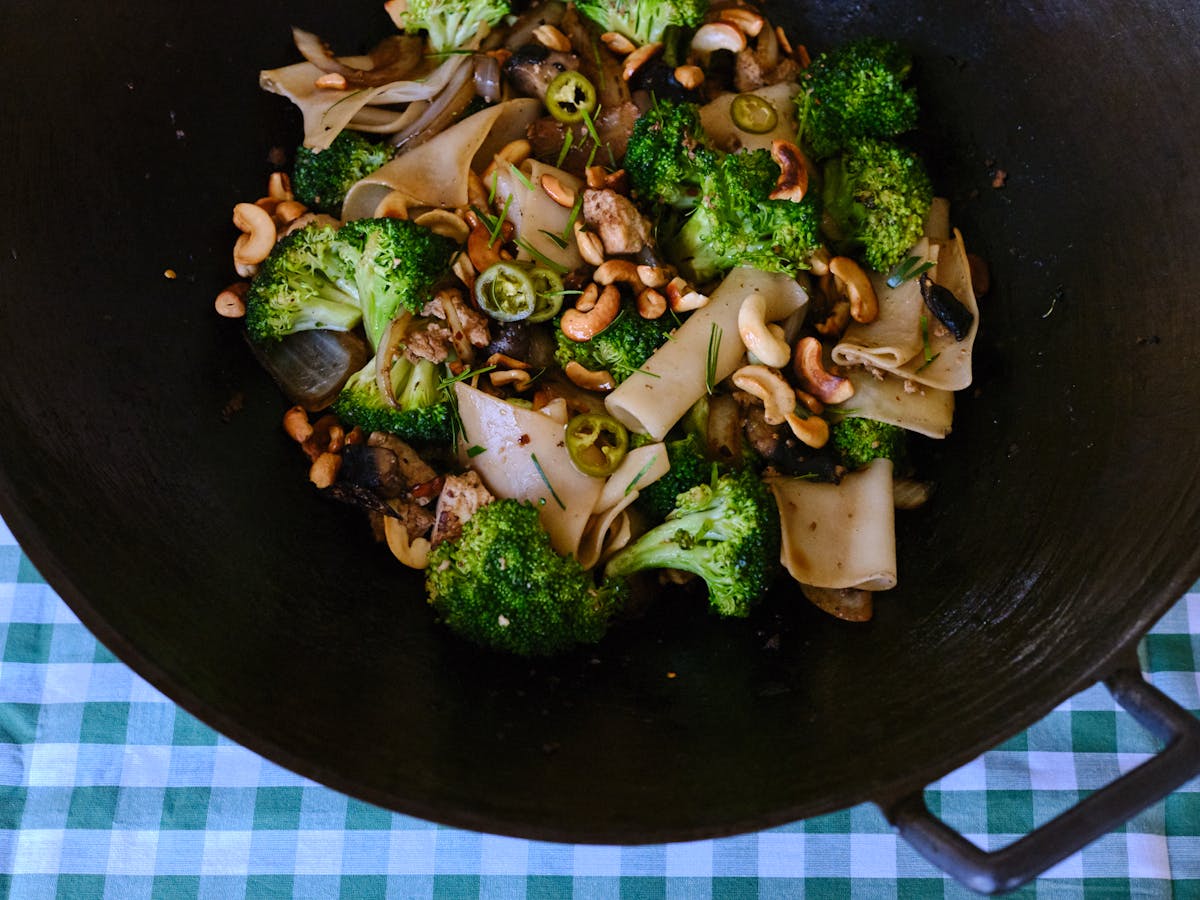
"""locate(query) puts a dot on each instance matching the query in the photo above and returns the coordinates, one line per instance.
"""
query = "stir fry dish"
(576, 299)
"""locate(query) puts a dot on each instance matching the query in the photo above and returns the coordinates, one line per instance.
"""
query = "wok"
(144, 470)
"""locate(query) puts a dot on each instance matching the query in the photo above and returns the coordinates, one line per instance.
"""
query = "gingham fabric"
(107, 789)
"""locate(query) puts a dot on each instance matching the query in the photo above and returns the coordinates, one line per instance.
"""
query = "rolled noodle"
(895, 336)
(524, 457)
(539, 222)
(673, 379)
(718, 123)
(609, 527)
(435, 173)
(950, 365)
(920, 408)
(839, 535)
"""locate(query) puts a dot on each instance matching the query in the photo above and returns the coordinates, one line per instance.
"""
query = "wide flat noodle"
(719, 126)
(950, 366)
(327, 111)
(525, 458)
(895, 336)
(535, 216)
(917, 407)
(435, 172)
(839, 535)
(609, 526)
(656, 397)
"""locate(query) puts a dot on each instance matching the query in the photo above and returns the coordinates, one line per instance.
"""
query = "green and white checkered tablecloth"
(107, 789)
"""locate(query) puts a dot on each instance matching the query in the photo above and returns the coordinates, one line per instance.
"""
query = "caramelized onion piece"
(392, 59)
(848, 604)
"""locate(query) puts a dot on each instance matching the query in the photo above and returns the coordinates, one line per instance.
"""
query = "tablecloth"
(108, 789)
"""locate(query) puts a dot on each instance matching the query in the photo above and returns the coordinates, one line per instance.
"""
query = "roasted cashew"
(414, 554)
(258, 234)
(614, 270)
(747, 21)
(587, 379)
(288, 211)
(770, 349)
(718, 36)
(591, 248)
(778, 398)
(279, 186)
(682, 297)
(792, 183)
(618, 43)
(583, 326)
(517, 379)
(482, 251)
(639, 58)
(818, 263)
(557, 191)
(651, 304)
(813, 431)
(864, 305)
(654, 276)
(552, 39)
(690, 77)
(444, 222)
(807, 365)
(394, 205)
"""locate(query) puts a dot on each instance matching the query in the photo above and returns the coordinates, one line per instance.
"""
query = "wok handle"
(1096, 815)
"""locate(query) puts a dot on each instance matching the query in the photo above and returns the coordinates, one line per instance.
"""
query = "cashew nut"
(258, 234)
(323, 472)
(718, 36)
(651, 304)
(516, 378)
(288, 211)
(813, 431)
(834, 325)
(334, 81)
(590, 246)
(296, 424)
(513, 153)
(557, 191)
(587, 379)
(864, 305)
(394, 205)
(639, 58)
(279, 186)
(445, 223)
(682, 297)
(769, 348)
(689, 77)
(481, 249)
(614, 270)
(778, 398)
(792, 183)
(583, 326)
(747, 21)
(654, 276)
(809, 368)
(552, 39)
(618, 43)
(809, 402)
(413, 553)
(818, 262)
(231, 302)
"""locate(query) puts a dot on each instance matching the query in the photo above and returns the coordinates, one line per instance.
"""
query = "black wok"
(143, 468)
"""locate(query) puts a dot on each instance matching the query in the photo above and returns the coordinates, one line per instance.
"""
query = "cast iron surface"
(188, 540)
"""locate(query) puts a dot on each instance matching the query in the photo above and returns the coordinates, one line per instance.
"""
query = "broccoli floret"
(643, 21)
(726, 532)
(736, 224)
(396, 264)
(423, 410)
(321, 178)
(854, 92)
(669, 155)
(689, 468)
(502, 585)
(876, 196)
(620, 349)
(859, 440)
(304, 284)
(451, 24)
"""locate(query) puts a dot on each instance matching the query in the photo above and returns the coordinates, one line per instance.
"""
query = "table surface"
(111, 790)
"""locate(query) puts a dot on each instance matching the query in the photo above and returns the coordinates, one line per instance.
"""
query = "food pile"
(575, 298)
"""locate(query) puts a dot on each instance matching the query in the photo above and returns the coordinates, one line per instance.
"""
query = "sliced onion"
(442, 110)
(487, 77)
(388, 350)
(391, 60)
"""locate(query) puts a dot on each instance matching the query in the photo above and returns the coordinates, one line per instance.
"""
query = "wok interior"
(1064, 520)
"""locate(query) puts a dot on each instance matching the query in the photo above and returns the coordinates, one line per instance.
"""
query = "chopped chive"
(463, 376)
(565, 149)
(930, 356)
(591, 156)
(907, 270)
(714, 349)
(559, 240)
(541, 257)
(475, 450)
(542, 472)
(576, 209)
(590, 124)
(638, 477)
(494, 188)
(522, 177)
(494, 233)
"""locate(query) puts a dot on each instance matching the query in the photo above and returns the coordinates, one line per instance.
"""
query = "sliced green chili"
(752, 113)
(505, 292)
(570, 97)
(597, 443)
